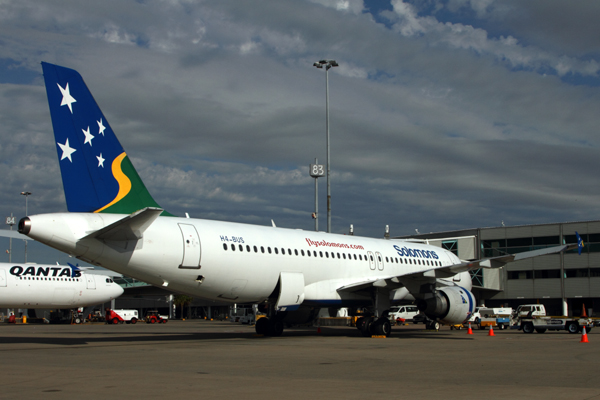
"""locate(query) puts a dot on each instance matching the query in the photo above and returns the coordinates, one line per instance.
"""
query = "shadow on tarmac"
(123, 337)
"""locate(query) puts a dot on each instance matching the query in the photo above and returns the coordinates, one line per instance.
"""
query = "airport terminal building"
(564, 283)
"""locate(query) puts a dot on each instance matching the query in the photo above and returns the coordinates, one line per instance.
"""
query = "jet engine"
(448, 305)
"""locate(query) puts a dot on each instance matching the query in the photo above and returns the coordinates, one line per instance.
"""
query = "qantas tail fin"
(96, 172)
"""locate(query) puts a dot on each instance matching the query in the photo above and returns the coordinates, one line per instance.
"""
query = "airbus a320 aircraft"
(114, 222)
(53, 286)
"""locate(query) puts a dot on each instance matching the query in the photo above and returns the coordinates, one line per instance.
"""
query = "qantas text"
(44, 271)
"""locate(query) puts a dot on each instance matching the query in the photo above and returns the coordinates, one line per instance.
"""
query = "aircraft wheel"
(366, 326)
(262, 326)
(384, 328)
(276, 328)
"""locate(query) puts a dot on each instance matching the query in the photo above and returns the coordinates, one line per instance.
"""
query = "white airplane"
(53, 286)
(114, 222)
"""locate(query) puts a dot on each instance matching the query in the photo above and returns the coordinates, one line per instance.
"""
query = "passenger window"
(233, 247)
(315, 253)
(355, 256)
(321, 254)
(282, 251)
(344, 254)
(262, 249)
(327, 254)
(276, 250)
(269, 250)
(255, 249)
(296, 251)
(307, 253)
(241, 248)
(224, 246)
(386, 259)
(290, 252)
(248, 248)
(301, 252)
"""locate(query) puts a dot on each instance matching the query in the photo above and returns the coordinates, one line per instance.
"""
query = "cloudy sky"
(443, 114)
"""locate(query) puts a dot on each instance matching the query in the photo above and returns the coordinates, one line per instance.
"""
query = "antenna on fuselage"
(386, 234)
(351, 230)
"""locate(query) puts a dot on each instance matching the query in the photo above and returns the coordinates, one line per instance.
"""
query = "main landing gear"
(269, 327)
(371, 326)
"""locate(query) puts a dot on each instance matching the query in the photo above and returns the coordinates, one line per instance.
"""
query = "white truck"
(491, 316)
(242, 315)
(128, 316)
(532, 317)
(402, 313)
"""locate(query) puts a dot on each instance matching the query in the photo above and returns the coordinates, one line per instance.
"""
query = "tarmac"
(219, 360)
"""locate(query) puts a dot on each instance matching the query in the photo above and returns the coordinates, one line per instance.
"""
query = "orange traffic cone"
(469, 331)
(491, 332)
(584, 338)
(583, 313)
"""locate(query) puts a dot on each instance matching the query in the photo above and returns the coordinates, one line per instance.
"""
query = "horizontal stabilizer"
(131, 227)
(13, 234)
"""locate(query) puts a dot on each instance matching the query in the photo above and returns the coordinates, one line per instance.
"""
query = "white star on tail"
(101, 127)
(88, 136)
(67, 98)
(100, 161)
(67, 150)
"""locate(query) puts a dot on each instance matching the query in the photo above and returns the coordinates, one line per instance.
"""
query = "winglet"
(580, 243)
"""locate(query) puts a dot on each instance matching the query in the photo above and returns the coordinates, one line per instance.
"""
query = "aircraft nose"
(24, 226)
(118, 290)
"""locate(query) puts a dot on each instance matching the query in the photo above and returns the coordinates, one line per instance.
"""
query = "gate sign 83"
(316, 170)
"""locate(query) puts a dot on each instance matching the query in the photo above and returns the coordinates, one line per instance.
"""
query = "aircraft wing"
(448, 271)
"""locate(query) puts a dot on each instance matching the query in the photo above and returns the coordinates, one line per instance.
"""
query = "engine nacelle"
(449, 305)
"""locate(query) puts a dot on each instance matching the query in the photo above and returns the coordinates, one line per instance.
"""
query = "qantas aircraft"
(114, 222)
(53, 286)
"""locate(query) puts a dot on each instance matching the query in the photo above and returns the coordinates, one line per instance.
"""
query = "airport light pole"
(327, 64)
(316, 170)
(10, 221)
(26, 194)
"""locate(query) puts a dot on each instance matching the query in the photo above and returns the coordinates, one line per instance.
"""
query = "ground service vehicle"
(128, 316)
(153, 317)
(499, 317)
(112, 317)
(530, 310)
(243, 315)
(541, 324)
(403, 313)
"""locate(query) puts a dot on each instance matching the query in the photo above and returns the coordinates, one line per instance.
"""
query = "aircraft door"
(379, 261)
(371, 257)
(90, 281)
(2, 278)
(191, 247)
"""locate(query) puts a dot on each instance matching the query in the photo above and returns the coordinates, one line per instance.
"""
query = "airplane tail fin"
(96, 172)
